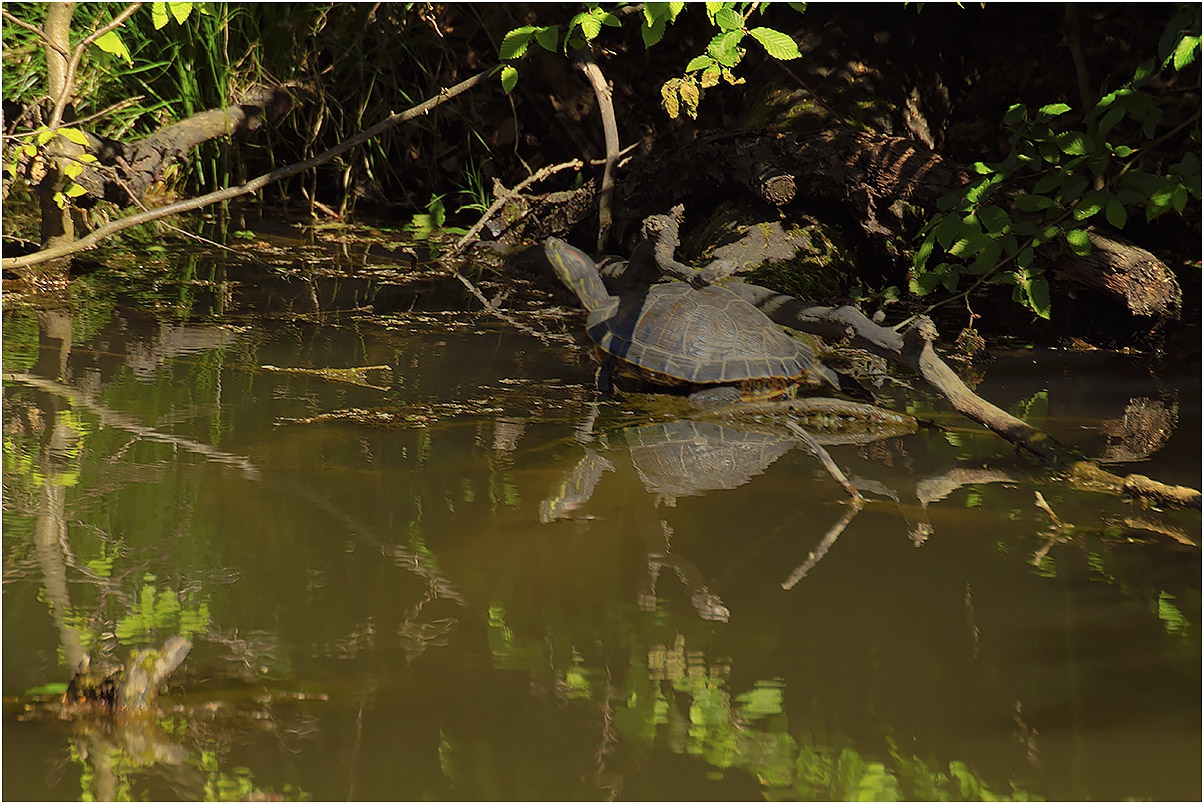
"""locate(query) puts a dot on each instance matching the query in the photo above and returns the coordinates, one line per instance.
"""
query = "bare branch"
(77, 53)
(94, 238)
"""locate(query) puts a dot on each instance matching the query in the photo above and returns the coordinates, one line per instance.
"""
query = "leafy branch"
(723, 53)
(1057, 179)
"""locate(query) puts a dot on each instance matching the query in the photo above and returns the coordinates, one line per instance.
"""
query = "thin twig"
(97, 236)
(501, 200)
(77, 53)
(40, 33)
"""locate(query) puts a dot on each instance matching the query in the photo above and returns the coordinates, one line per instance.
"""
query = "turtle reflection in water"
(675, 459)
(708, 340)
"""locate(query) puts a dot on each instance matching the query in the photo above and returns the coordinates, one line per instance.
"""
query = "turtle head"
(577, 271)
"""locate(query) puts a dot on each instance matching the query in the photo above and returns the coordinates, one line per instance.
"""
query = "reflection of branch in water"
(826, 460)
(1155, 523)
(855, 506)
(706, 603)
(111, 418)
(937, 488)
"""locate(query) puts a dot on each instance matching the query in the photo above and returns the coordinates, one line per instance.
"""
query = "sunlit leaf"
(1054, 109)
(1185, 51)
(180, 11)
(777, 44)
(1015, 113)
(509, 78)
(110, 42)
(728, 19)
(700, 63)
(1038, 296)
(159, 15)
(1079, 242)
(1071, 143)
(514, 43)
(74, 135)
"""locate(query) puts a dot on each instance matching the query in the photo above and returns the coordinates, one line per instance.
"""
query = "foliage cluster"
(723, 53)
(1063, 173)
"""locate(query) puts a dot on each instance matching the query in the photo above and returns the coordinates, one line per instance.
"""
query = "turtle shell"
(676, 334)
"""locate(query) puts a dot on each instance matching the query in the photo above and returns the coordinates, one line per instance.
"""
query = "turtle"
(708, 339)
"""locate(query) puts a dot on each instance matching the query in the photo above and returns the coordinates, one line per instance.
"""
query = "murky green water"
(405, 592)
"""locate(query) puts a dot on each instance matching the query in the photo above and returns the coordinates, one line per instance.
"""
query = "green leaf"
(994, 219)
(1079, 242)
(514, 43)
(969, 245)
(951, 277)
(1015, 114)
(1072, 187)
(590, 26)
(1188, 171)
(1054, 109)
(1185, 51)
(653, 33)
(509, 78)
(1150, 124)
(1116, 214)
(1110, 119)
(724, 48)
(922, 284)
(700, 63)
(73, 134)
(549, 35)
(777, 44)
(1025, 257)
(72, 169)
(110, 42)
(923, 253)
(1179, 199)
(180, 11)
(1091, 204)
(1038, 296)
(987, 258)
(1123, 151)
(947, 230)
(159, 15)
(607, 19)
(1033, 203)
(1071, 143)
(728, 19)
(43, 136)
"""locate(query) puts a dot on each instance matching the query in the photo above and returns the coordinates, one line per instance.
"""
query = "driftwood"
(914, 350)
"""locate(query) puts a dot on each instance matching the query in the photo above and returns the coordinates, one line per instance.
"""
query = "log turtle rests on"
(706, 339)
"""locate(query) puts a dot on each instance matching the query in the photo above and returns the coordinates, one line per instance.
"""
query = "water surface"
(461, 575)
